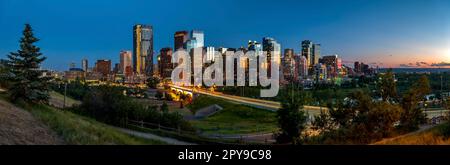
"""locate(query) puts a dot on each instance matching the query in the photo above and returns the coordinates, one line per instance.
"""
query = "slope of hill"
(20, 127)
(430, 136)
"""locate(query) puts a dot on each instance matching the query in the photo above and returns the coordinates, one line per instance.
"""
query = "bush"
(445, 130)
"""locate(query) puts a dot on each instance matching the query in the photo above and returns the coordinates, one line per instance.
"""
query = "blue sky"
(391, 32)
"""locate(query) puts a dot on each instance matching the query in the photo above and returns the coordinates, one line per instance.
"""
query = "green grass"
(57, 99)
(79, 130)
(234, 118)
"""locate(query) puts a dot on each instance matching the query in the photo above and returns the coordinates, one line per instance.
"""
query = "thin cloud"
(406, 65)
(441, 64)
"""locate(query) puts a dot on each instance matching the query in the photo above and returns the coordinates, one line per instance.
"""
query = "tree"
(26, 79)
(357, 120)
(412, 115)
(387, 86)
(447, 103)
(291, 117)
(3, 74)
(159, 95)
(164, 108)
(152, 82)
(182, 99)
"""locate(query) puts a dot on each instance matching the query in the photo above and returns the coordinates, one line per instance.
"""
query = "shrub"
(445, 130)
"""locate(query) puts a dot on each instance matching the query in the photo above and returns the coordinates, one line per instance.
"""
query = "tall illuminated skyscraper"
(311, 52)
(143, 49)
(271, 46)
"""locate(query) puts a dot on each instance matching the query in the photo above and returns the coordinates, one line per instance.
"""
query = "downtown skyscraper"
(311, 52)
(199, 37)
(125, 65)
(196, 40)
(165, 65)
(180, 39)
(84, 65)
(270, 46)
(143, 49)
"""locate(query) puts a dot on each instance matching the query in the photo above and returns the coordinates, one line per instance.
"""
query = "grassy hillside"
(234, 118)
(57, 100)
(431, 136)
(75, 129)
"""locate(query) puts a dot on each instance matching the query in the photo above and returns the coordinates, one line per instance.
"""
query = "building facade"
(125, 61)
(165, 64)
(199, 37)
(84, 65)
(288, 64)
(103, 67)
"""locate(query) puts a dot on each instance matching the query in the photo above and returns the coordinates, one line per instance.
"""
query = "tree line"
(357, 119)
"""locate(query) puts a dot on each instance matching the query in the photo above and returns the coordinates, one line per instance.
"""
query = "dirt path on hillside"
(19, 127)
(153, 137)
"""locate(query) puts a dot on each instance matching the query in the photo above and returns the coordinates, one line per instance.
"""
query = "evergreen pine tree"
(25, 76)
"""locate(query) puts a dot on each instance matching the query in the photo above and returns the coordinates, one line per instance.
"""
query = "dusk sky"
(388, 33)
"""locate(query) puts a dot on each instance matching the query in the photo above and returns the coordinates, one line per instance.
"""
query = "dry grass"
(428, 137)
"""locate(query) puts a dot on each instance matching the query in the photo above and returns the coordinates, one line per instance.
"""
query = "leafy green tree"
(153, 82)
(387, 87)
(291, 116)
(27, 82)
(412, 115)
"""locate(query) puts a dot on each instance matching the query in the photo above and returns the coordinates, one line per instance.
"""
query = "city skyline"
(415, 35)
